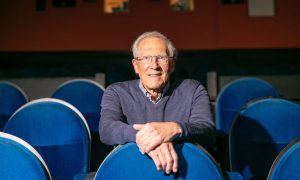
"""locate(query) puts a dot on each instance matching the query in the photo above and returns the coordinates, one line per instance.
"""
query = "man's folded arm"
(113, 128)
(200, 124)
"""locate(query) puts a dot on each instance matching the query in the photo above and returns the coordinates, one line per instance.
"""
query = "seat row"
(85, 95)
(259, 127)
(57, 131)
(54, 140)
(19, 160)
(254, 125)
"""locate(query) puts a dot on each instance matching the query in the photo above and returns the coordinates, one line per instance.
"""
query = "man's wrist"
(178, 130)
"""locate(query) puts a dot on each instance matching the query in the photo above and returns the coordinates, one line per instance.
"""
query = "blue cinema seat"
(229, 101)
(286, 164)
(86, 96)
(260, 131)
(235, 95)
(58, 131)
(127, 162)
(11, 98)
(19, 160)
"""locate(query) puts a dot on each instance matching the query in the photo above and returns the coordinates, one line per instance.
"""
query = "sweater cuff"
(130, 134)
(183, 129)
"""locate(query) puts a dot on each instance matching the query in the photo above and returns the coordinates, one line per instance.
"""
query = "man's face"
(154, 75)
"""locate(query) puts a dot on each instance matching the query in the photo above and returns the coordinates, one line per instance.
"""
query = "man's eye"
(147, 57)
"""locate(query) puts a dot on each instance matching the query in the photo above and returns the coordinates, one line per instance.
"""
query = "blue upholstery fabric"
(235, 95)
(261, 130)
(86, 96)
(11, 98)
(286, 165)
(234, 175)
(19, 160)
(230, 100)
(127, 162)
(57, 131)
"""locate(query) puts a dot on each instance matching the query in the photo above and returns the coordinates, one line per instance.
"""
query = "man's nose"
(154, 62)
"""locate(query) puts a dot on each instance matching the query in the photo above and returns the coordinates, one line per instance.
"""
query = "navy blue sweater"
(124, 104)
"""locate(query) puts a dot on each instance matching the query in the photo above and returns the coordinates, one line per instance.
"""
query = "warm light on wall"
(112, 6)
(182, 5)
(261, 7)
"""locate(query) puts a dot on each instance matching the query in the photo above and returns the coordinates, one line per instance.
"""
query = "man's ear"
(135, 66)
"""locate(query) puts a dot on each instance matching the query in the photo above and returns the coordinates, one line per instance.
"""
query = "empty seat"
(286, 164)
(19, 160)
(235, 95)
(229, 101)
(260, 131)
(11, 98)
(86, 96)
(58, 131)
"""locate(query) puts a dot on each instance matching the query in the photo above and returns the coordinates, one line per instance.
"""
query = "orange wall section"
(86, 28)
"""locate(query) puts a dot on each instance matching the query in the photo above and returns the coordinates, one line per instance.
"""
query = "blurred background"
(42, 41)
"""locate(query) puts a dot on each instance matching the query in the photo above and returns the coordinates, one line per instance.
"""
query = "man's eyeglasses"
(149, 59)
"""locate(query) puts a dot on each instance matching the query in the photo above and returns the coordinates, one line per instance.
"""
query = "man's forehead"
(153, 43)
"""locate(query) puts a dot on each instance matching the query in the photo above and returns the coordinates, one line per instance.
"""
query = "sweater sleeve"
(200, 126)
(113, 127)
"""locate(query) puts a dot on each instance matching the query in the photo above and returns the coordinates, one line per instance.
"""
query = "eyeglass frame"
(160, 59)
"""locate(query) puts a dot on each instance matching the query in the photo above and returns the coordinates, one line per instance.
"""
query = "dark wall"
(117, 65)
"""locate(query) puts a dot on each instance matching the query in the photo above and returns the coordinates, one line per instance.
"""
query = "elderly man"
(155, 110)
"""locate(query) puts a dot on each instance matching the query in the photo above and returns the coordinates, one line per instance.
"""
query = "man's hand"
(153, 134)
(165, 158)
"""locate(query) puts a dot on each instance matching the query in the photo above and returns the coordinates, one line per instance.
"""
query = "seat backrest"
(127, 162)
(235, 95)
(19, 160)
(286, 164)
(58, 131)
(11, 98)
(260, 131)
(86, 96)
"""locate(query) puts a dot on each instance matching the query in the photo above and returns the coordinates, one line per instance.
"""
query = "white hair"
(171, 50)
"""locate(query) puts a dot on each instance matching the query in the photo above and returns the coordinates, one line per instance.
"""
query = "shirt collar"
(160, 95)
